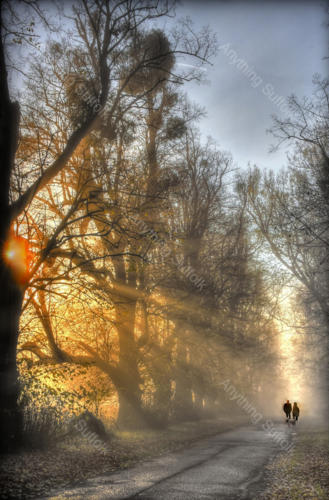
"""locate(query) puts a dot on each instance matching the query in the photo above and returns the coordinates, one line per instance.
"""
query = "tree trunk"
(11, 422)
(131, 415)
(10, 293)
(183, 403)
(198, 403)
(129, 393)
(162, 394)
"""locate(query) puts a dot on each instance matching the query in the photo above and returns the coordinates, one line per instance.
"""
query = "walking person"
(287, 409)
(295, 411)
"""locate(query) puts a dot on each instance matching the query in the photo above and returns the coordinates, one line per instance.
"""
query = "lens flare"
(17, 256)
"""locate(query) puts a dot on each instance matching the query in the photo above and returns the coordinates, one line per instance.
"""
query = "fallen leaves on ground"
(33, 474)
(303, 474)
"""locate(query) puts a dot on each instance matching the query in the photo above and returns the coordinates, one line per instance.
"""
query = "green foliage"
(46, 407)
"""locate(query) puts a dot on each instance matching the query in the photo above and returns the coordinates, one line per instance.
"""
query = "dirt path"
(229, 465)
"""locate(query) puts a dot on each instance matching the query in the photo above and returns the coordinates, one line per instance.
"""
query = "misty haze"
(164, 215)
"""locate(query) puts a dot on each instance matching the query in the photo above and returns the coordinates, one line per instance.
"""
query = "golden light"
(290, 345)
(17, 256)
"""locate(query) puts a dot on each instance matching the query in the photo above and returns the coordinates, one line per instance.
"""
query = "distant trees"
(291, 210)
(208, 240)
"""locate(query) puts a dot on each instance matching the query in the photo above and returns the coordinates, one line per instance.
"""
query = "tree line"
(128, 240)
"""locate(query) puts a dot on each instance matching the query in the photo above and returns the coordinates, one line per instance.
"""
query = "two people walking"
(287, 409)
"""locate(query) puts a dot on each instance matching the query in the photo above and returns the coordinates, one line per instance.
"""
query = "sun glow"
(289, 344)
(17, 255)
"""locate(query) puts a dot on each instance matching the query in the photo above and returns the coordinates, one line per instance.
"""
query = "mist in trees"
(133, 278)
(290, 212)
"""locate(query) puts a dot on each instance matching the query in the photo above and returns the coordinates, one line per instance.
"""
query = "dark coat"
(295, 411)
(287, 408)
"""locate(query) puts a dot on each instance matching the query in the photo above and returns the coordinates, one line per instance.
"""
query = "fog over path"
(229, 465)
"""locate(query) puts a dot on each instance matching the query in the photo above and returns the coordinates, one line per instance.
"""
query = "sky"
(266, 50)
